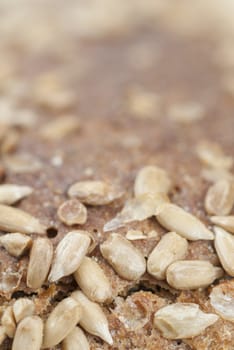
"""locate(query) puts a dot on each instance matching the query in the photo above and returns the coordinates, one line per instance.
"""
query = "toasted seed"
(10, 141)
(93, 281)
(69, 254)
(61, 321)
(22, 163)
(121, 254)
(94, 192)
(8, 321)
(152, 179)
(3, 334)
(93, 319)
(22, 308)
(72, 212)
(220, 198)
(16, 244)
(76, 340)
(182, 320)
(171, 247)
(222, 300)
(224, 245)
(192, 274)
(17, 220)
(60, 128)
(137, 209)
(28, 334)
(211, 154)
(226, 222)
(185, 224)
(39, 262)
(10, 194)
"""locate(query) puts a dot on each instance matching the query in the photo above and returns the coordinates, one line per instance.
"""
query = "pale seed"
(211, 154)
(143, 104)
(185, 224)
(134, 235)
(171, 247)
(3, 334)
(186, 112)
(17, 220)
(10, 194)
(219, 199)
(61, 321)
(22, 308)
(69, 254)
(72, 212)
(76, 340)
(152, 179)
(222, 300)
(137, 209)
(40, 260)
(60, 128)
(215, 174)
(224, 245)
(182, 320)
(16, 244)
(28, 334)
(93, 281)
(93, 319)
(22, 163)
(125, 259)
(192, 274)
(8, 322)
(94, 192)
(226, 222)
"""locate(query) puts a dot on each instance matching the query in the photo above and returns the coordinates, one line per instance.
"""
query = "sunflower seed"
(182, 320)
(192, 274)
(10, 194)
(10, 141)
(212, 155)
(186, 112)
(133, 235)
(8, 322)
(185, 224)
(93, 281)
(61, 321)
(94, 192)
(121, 254)
(39, 262)
(2, 334)
(171, 247)
(17, 220)
(216, 174)
(93, 319)
(137, 209)
(16, 244)
(143, 104)
(222, 300)
(226, 222)
(60, 128)
(220, 198)
(72, 212)
(152, 179)
(76, 340)
(22, 308)
(28, 334)
(69, 254)
(224, 245)
(22, 163)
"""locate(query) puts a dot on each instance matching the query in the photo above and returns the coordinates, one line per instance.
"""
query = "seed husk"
(10, 194)
(137, 209)
(40, 260)
(8, 321)
(125, 259)
(94, 192)
(224, 245)
(182, 320)
(226, 222)
(219, 199)
(69, 254)
(192, 274)
(93, 281)
(93, 319)
(16, 244)
(17, 220)
(3, 334)
(152, 179)
(72, 212)
(60, 128)
(170, 248)
(28, 334)
(61, 321)
(185, 224)
(22, 308)
(222, 300)
(75, 340)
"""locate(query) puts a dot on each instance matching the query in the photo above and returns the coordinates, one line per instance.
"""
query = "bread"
(86, 96)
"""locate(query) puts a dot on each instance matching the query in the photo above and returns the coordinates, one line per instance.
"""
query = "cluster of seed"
(167, 261)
